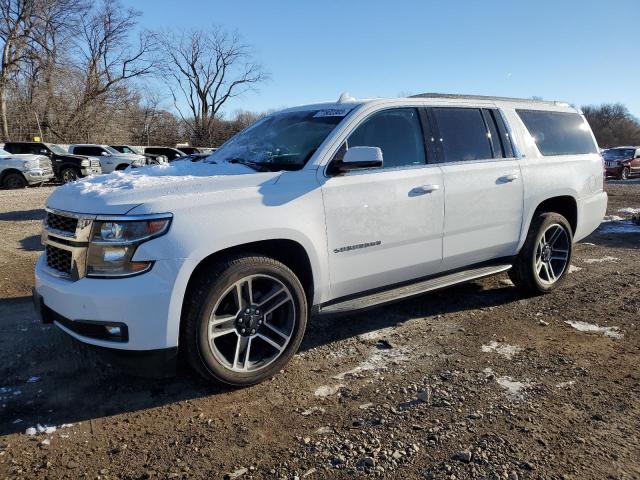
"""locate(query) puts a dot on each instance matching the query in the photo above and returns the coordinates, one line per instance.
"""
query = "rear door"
(384, 225)
(483, 185)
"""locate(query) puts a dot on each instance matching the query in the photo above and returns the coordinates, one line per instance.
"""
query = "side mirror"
(357, 158)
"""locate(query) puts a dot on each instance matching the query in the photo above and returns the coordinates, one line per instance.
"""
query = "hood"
(119, 192)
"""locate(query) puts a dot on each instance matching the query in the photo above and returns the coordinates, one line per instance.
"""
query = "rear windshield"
(618, 153)
(559, 133)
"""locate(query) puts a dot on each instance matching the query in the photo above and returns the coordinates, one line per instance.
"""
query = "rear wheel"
(14, 181)
(246, 318)
(545, 257)
(624, 175)
(69, 175)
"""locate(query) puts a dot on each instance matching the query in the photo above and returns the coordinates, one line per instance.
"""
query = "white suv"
(110, 158)
(322, 208)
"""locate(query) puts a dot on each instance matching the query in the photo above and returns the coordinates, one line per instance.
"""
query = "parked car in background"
(325, 208)
(171, 153)
(66, 166)
(621, 162)
(18, 171)
(189, 150)
(152, 159)
(110, 158)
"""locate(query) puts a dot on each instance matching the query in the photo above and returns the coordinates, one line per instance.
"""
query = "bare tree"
(613, 125)
(204, 69)
(16, 23)
(105, 58)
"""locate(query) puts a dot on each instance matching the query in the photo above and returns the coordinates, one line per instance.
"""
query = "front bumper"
(140, 304)
(38, 175)
(613, 171)
(86, 171)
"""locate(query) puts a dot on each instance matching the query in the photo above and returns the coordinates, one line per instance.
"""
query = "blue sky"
(584, 52)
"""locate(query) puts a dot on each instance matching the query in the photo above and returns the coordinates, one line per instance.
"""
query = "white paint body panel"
(471, 218)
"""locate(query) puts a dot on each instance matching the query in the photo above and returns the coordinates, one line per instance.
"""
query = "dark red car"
(621, 162)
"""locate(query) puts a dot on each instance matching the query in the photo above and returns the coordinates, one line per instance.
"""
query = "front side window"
(396, 132)
(558, 133)
(283, 141)
(463, 134)
(96, 151)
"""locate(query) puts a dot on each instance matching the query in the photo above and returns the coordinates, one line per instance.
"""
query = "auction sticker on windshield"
(332, 112)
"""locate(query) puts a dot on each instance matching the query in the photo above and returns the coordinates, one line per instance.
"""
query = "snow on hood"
(120, 191)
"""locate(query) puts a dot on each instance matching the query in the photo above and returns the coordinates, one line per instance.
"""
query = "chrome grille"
(59, 222)
(95, 163)
(65, 236)
(58, 259)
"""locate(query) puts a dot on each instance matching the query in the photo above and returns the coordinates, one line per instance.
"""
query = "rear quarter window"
(559, 133)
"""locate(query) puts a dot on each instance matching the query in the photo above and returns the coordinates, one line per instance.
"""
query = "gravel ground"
(471, 382)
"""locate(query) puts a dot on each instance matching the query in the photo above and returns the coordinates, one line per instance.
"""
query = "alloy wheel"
(552, 254)
(252, 323)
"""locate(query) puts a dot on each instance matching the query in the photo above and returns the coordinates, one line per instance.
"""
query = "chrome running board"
(406, 291)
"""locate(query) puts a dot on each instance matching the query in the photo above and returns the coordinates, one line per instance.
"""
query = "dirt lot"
(472, 382)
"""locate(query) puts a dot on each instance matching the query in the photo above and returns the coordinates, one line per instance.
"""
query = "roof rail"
(455, 96)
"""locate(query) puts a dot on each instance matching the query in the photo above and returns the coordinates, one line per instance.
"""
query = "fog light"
(114, 331)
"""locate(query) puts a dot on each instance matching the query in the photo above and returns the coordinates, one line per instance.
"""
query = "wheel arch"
(9, 171)
(290, 252)
(563, 203)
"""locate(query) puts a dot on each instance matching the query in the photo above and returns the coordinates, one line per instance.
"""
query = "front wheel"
(246, 319)
(14, 181)
(69, 175)
(545, 257)
(624, 175)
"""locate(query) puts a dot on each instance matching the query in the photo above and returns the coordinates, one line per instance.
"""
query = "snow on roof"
(173, 173)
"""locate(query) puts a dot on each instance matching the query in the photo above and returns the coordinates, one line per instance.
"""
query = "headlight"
(114, 242)
(85, 163)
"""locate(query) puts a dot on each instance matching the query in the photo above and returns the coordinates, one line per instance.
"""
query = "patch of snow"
(504, 349)
(626, 226)
(46, 442)
(31, 431)
(376, 334)
(33, 379)
(513, 387)
(574, 269)
(328, 390)
(568, 384)
(311, 411)
(600, 260)
(16, 421)
(589, 244)
(611, 218)
(378, 361)
(629, 210)
(151, 175)
(612, 332)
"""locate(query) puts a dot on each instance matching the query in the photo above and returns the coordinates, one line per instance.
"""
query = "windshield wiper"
(248, 163)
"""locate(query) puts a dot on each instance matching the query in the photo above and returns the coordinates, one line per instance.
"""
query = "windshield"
(283, 141)
(56, 148)
(618, 153)
(112, 151)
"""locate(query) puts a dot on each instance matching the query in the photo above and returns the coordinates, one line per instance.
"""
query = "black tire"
(524, 273)
(69, 174)
(624, 175)
(209, 288)
(122, 166)
(14, 181)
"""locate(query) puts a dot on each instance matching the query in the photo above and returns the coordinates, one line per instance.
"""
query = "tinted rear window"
(616, 153)
(463, 134)
(559, 133)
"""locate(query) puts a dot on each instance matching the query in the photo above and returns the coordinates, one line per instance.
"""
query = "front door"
(384, 225)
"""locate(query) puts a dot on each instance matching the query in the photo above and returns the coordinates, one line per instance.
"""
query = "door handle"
(422, 189)
(508, 178)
